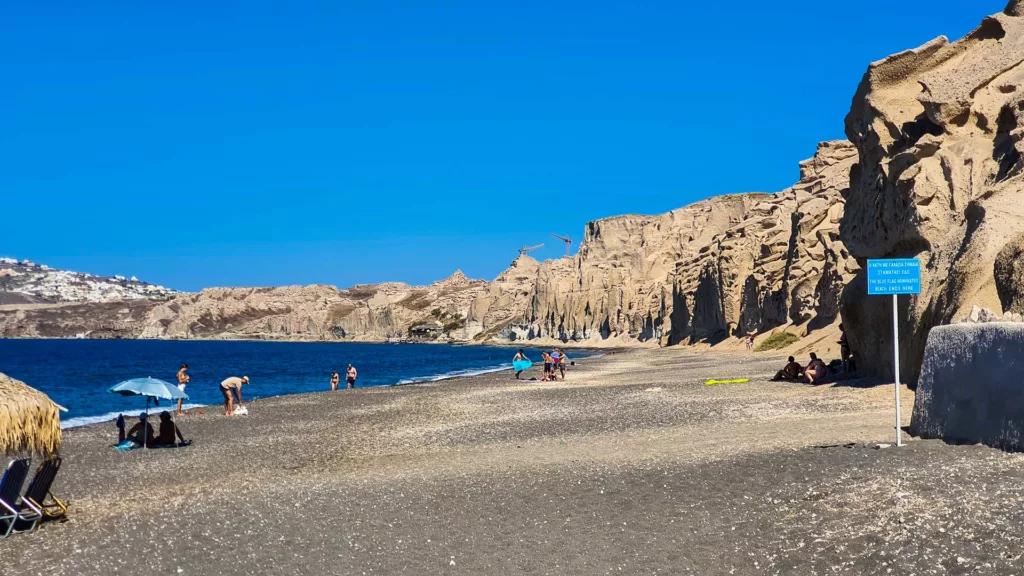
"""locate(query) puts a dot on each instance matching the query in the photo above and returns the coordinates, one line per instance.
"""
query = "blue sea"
(77, 373)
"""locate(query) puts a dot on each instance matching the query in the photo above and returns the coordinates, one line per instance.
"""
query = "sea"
(77, 373)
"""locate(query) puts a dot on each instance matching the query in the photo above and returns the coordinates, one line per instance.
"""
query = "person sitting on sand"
(519, 356)
(168, 431)
(230, 386)
(816, 370)
(334, 380)
(792, 371)
(141, 433)
(350, 376)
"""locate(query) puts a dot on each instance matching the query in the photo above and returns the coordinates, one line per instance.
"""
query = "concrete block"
(971, 388)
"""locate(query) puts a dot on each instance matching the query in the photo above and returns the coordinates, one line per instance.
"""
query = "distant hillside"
(25, 282)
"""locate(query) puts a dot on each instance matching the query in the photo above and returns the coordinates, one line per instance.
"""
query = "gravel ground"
(632, 466)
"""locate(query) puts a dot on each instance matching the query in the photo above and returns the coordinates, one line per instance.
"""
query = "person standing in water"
(230, 387)
(334, 380)
(519, 356)
(183, 379)
(350, 376)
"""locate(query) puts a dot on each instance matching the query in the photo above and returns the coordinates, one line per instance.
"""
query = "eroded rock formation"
(938, 177)
(367, 312)
(726, 266)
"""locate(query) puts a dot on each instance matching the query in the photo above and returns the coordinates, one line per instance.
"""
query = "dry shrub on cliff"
(361, 292)
(777, 341)
(416, 300)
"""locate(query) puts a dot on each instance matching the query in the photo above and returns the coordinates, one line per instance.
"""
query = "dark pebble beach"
(631, 466)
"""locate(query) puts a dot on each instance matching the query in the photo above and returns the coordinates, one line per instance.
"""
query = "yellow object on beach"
(734, 381)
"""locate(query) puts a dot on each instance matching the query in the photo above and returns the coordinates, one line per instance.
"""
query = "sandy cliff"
(938, 177)
(726, 266)
(367, 312)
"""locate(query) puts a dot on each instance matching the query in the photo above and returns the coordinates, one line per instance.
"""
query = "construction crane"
(525, 249)
(567, 241)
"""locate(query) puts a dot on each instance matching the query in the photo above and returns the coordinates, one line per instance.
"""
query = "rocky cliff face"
(725, 266)
(368, 312)
(938, 177)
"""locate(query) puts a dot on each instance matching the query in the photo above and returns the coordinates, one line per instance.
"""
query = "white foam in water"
(111, 416)
(454, 374)
(85, 420)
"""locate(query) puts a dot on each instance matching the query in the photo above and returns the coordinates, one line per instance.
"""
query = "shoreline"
(632, 462)
(457, 374)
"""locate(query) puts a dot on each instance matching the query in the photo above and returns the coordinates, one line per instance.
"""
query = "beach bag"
(126, 445)
(241, 411)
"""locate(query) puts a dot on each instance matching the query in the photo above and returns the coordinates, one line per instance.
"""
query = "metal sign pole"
(896, 366)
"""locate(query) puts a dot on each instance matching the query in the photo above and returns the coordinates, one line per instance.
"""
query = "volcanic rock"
(938, 177)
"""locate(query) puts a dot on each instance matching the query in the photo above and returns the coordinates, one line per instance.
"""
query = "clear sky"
(202, 144)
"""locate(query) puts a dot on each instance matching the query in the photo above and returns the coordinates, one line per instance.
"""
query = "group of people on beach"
(815, 371)
(554, 364)
(350, 378)
(142, 432)
(230, 388)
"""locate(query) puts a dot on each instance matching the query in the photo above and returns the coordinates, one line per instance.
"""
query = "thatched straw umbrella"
(29, 420)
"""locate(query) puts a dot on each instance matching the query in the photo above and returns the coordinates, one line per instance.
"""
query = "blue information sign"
(894, 276)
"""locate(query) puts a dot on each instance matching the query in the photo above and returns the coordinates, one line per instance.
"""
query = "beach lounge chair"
(39, 493)
(10, 498)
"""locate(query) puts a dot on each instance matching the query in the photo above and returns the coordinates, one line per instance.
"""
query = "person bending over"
(230, 388)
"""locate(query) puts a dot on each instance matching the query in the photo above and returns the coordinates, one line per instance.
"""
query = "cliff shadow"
(679, 318)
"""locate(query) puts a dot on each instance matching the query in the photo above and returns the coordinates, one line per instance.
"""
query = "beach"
(631, 466)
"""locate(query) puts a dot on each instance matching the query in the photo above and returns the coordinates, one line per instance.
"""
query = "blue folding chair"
(11, 510)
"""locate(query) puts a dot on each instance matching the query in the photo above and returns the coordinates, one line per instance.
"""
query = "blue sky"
(214, 143)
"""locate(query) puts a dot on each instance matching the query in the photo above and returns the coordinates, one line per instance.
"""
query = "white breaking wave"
(111, 416)
(454, 374)
(85, 420)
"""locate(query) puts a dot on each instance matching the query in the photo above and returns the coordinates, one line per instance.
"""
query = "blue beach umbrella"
(150, 388)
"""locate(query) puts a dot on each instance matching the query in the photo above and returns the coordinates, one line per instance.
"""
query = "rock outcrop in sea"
(938, 133)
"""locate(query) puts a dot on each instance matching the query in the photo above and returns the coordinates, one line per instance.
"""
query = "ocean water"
(77, 373)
